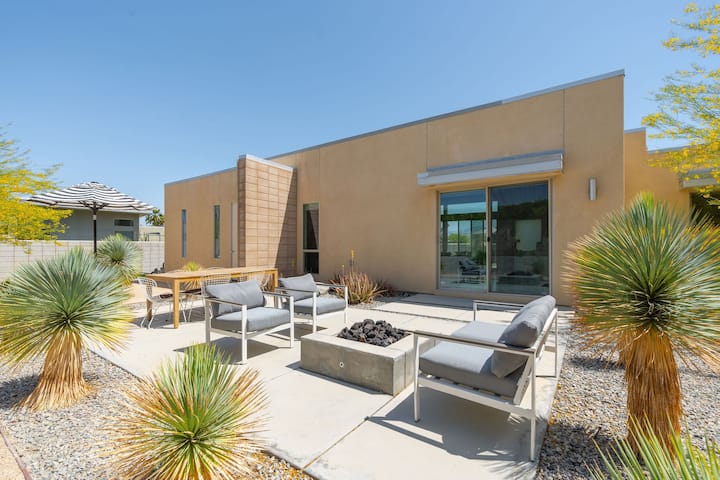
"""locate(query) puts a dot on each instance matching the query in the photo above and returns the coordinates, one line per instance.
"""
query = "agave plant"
(195, 418)
(124, 256)
(647, 285)
(55, 308)
(680, 460)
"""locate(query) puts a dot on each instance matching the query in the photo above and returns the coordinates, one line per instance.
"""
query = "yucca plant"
(647, 285)
(680, 460)
(55, 308)
(124, 256)
(195, 418)
(191, 267)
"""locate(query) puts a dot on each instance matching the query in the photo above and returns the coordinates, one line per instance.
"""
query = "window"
(124, 222)
(216, 232)
(311, 236)
(183, 233)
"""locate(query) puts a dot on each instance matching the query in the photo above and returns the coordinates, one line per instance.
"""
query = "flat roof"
(584, 81)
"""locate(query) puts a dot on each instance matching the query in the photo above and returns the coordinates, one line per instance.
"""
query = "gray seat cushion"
(468, 366)
(259, 318)
(299, 287)
(523, 331)
(480, 331)
(324, 305)
(248, 293)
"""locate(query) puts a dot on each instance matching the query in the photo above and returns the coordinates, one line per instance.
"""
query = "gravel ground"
(64, 444)
(590, 405)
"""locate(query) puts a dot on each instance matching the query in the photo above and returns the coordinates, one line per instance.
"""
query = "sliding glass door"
(520, 240)
(502, 249)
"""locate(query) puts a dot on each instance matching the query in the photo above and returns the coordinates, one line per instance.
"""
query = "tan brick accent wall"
(267, 216)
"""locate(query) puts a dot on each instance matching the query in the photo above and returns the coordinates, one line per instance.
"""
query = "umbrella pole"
(94, 214)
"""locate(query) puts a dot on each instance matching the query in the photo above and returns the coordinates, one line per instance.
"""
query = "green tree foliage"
(689, 102)
(20, 220)
(156, 219)
(647, 285)
(197, 418)
(54, 308)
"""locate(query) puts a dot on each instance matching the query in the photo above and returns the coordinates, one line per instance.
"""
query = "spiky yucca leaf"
(647, 284)
(195, 418)
(55, 307)
(678, 460)
(124, 256)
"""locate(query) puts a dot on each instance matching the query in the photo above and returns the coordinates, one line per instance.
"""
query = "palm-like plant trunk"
(61, 383)
(653, 384)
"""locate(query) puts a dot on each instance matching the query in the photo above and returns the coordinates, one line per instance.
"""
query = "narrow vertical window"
(311, 237)
(183, 233)
(216, 232)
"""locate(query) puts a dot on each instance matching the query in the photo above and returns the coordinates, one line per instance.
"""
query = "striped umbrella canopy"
(94, 196)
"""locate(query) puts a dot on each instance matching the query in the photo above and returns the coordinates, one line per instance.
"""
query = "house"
(79, 225)
(480, 203)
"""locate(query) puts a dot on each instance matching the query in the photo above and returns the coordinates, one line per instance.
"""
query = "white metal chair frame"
(510, 405)
(315, 296)
(156, 301)
(243, 335)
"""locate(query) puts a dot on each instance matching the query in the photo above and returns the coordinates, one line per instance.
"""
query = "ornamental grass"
(195, 418)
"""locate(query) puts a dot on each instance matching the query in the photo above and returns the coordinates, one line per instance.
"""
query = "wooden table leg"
(176, 303)
(148, 310)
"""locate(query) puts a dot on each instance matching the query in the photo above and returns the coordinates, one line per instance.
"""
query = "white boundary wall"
(153, 254)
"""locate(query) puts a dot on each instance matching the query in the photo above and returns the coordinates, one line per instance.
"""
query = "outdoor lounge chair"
(488, 363)
(238, 309)
(309, 300)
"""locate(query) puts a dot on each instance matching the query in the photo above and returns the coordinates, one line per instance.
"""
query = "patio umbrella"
(95, 196)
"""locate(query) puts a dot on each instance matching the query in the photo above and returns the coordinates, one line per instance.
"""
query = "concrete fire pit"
(386, 369)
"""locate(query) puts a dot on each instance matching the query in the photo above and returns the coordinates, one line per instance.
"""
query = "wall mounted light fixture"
(592, 188)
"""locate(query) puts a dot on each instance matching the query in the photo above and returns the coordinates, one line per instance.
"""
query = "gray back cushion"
(247, 293)
(522, 332)
(299, 287)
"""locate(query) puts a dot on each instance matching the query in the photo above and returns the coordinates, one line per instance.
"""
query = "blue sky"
(136, 94)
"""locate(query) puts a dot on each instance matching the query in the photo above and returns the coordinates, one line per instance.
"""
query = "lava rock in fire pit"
(379, 333)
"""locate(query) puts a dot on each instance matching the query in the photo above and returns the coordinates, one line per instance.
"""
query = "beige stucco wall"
(370, 201)
(199, 196)
(642, 177)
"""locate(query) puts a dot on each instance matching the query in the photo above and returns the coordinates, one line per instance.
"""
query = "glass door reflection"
(519, 239)
(463, 237)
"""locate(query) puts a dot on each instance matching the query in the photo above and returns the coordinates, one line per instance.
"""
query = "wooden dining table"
(177, 278)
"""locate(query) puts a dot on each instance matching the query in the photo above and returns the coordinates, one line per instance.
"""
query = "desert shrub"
(122, 255)
(54, 308)
(195, 418)
(658, 460)
(361, 288)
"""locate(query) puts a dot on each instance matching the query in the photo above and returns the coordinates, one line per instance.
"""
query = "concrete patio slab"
(337, 430)
(310, 413)
(454, 436)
